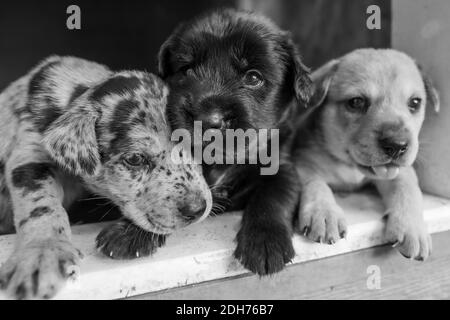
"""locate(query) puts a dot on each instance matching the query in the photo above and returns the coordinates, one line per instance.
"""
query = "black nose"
(393, 148)
(193, 208)
(217, 112)
(213, 120)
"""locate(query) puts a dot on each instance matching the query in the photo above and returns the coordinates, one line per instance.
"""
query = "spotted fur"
(68, 127)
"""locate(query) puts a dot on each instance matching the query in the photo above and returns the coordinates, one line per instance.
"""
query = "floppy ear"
(301, 79)
(71, 140)
(321, 79)
(432, 94)
(165, 63)
(164, 57)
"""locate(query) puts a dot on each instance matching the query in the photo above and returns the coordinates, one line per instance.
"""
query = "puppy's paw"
(322, 222)
(409, 236)
(39, 270)
(125, 240)
(264, 251)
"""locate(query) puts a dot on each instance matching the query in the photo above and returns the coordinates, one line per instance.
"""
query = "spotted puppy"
(367, 110)
(71, 126)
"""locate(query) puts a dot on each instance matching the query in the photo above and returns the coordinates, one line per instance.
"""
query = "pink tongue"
(386, 172)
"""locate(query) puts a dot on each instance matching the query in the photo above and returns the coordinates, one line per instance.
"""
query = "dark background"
(128, 34)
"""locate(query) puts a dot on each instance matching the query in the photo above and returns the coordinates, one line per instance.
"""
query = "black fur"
(40, 89)
(264, 240)
(78, 91)
(29, 175)
(204, 62)
(22, 222)
(120, 124)
(87, 164)
(116, 85)
(36, 213)
(39, 212)
(38, 83)
(47, 116)
(125, 240)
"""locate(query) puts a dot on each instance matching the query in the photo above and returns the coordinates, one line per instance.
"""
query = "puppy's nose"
(193, 207)
(213, 120)
(393, 148)
(216, 112)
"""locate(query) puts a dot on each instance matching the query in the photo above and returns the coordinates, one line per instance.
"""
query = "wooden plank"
(340, 277)
(203, 252)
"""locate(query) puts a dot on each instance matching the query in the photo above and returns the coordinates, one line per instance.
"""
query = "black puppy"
(232, 69)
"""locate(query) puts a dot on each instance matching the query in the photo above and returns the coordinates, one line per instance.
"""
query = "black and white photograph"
(224, 154)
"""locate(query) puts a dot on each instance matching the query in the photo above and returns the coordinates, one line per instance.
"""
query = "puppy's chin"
(147, 222)
(152, 225)
(381, 172)
(374, 168)
(378, 166)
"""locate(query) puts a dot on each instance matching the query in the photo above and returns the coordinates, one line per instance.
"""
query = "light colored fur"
(342, 146)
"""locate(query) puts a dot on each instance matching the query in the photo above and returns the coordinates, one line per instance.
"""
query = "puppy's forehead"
(233, 29)
(377, 71)
(148, 140)
(133, 106)
(229, 41)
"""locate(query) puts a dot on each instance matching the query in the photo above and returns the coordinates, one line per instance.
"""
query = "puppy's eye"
(253, 79)
(357, 104)
(186, 70)
(134, 159)
(414, 104)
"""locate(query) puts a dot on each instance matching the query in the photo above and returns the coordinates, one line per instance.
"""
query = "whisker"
(93, 198)
(106, 213)
(99, 206)
(129, 225)
(137, 238)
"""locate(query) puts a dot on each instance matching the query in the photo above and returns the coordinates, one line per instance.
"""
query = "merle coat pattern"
(231, 70)
(71, 126)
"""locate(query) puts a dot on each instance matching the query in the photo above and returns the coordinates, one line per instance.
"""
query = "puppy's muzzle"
(214, 120)
(217, 113)
(193, 207)
(394, 140)
(393, 148)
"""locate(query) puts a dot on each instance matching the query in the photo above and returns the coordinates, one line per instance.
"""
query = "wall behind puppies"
(127, 34)
(427, 39)
(327, 29)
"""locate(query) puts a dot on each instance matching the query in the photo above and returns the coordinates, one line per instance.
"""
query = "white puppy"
(363, 127)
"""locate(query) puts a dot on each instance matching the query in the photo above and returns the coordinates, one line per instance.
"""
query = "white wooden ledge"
(203, 252)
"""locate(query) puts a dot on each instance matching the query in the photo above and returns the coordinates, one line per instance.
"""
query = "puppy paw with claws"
(39, 270)
(264, 252)
(409, 236)
(322, 222)
(125, 240)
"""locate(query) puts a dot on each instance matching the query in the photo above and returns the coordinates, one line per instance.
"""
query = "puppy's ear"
(432, 94)
(164, 57)
(321, 82)
(165, 54)
(300, 73)
(71, 140)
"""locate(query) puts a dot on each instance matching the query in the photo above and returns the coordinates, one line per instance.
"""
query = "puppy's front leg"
(125, 240)
(44, 256)
(264, 242)
(405, 224)
(320, 217)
